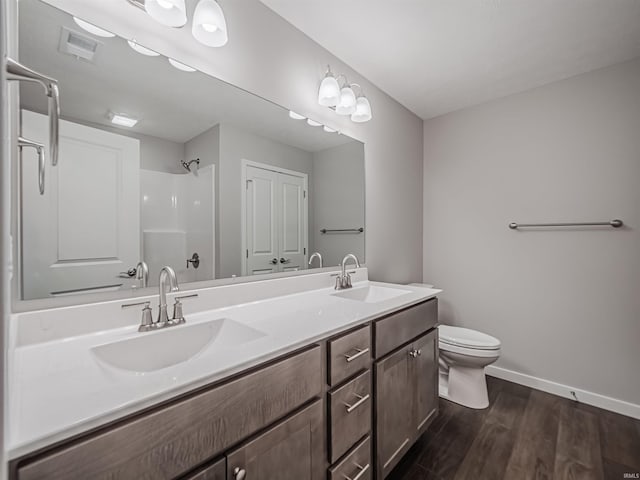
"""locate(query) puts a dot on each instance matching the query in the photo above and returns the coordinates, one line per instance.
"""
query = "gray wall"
(564, 303)
(271, 58)
(338, 194)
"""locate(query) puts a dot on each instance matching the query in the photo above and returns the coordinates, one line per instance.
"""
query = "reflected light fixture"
(181, 66)
(313, 123)
(329, 129)
(209, 25)
(329, 91)
(122, 120)
(91, 28)
(296, 116)
(172, 13)
(143, 50)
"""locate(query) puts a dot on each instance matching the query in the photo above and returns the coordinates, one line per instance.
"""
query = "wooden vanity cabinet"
(406, 399)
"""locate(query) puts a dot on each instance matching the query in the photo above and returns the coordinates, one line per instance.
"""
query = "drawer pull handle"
(360, 352)
(360, 473)
(361, 400)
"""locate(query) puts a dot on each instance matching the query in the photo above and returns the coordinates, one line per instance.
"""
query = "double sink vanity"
(278, 379)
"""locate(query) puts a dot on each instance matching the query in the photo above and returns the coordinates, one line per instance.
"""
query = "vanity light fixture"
(209, 25)
(91, 28)
(296, 116)
(143, 50)
(172, 13)
(344, 99)
(122, 120)
(329, 91)
(181, 66)
(313, 123)
(329, 129)
(363, 108)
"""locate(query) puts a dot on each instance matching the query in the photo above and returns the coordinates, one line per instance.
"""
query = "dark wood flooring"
(524, 434)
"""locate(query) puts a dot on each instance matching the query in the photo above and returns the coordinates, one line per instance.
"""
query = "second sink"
(147, 352)
(371, 293)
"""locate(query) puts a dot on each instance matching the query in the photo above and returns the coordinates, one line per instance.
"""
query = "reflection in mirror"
(167, 166)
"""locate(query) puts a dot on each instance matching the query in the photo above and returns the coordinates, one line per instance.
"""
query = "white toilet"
(463, 355)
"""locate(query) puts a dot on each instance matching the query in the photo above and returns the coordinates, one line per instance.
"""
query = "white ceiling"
(437, 56)
(170, 104)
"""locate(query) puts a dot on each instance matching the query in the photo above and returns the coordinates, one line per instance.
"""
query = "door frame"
(244, 163)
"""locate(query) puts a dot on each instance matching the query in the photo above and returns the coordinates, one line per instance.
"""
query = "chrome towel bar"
(342, 230)
(612, 223)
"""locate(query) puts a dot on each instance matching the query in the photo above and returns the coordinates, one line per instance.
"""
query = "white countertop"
(58, 388)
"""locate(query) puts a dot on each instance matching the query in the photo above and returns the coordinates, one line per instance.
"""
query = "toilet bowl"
(463, 355)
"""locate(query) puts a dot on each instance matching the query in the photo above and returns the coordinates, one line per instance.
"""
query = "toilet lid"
(465, 337)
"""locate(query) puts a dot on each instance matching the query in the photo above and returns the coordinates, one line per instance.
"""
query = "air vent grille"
(78, 45)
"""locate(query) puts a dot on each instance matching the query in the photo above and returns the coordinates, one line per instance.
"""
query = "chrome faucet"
(344, 279)
(142, 273)
(318, 256)
(165, 273)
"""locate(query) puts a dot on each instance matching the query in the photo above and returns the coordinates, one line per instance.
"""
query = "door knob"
(239, 473)
(284, 260)
(274, 261)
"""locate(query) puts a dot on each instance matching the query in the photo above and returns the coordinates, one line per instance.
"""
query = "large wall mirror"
(211, 180)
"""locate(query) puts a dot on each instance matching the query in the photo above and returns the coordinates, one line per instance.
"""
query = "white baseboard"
(590, 398)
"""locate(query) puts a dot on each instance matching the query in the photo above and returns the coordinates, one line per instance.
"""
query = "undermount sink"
(371, 293)
(152, 351)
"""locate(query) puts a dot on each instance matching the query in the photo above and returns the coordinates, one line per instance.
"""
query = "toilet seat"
(465, 338)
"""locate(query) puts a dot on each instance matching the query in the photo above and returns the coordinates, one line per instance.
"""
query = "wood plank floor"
(525, 434)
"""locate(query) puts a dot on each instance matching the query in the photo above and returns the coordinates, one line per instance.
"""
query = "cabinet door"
(291, 450)
(394, 410)
(425, 381)
(215, 471)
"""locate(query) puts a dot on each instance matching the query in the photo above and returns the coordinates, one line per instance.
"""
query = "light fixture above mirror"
(209, 25)
(343, 99)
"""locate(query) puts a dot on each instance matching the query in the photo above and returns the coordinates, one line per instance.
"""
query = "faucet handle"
(146, 323)
(178, 316)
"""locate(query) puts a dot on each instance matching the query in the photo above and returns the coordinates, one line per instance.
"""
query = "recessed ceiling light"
(91, 28)
(141, 49)
(122, 120)
(181, 66)
(328, 129)
(313, 123)
(296, 116)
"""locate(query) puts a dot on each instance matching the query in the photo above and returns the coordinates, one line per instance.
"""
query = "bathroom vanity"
(335, 385)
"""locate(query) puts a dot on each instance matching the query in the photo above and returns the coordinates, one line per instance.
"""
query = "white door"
(275, 221)
(85, 229)
(291, 201)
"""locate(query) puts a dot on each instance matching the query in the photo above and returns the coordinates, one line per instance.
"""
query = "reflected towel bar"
(612, 223)
(342, 230)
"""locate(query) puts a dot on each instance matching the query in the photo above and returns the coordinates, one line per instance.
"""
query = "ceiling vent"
(78, 45)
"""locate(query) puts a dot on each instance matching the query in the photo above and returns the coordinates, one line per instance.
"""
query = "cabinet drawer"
(216, 471)
(356, 465)
(349, 354)
(401, 327)
(172, 440)
(350, 415)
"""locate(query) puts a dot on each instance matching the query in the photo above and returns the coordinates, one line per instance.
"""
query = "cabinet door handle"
(239, 473)
(360, 352)
(361, 400)
(362, 471)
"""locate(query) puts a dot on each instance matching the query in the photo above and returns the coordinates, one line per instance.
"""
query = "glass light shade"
(296, 116)
(313, 123)
(141, 49)
(363, 110)
(347, 104)
(181, 66)
(329, 92)
(91, 28)
(209, 24)
(171, 13)
(328, 129)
